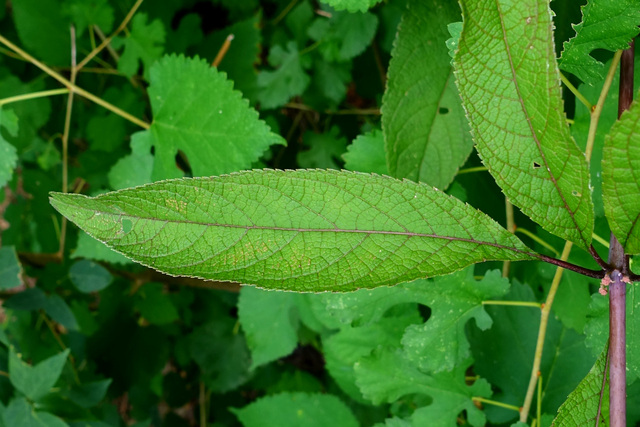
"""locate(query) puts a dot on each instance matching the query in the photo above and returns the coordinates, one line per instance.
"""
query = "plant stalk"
(618, 286)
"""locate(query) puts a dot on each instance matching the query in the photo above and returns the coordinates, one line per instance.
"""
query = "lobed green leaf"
(511, 91)
(301, 230)
(621, 179)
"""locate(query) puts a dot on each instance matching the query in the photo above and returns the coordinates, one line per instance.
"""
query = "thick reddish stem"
(618, 288)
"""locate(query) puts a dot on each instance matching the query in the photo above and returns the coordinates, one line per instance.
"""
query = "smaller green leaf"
(35, 299)
(269, 322)
(581, 406)
(366, 154)
(352, 5)
(144, 44)
(344, 35)
(325, 149)
(10, 269)
(90, 394)
(86, 13)
(93, 249)
(20, 413)
(296, 409)
(288, 80)
(8, 154)
(609, 25)
(455, 29)
(221, 354)
(155, 305)
(621, 179)
(89, 277)
(197, 111)
(35, 381)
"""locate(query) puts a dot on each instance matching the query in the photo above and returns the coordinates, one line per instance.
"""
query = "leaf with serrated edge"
(605, 24)
(581, 406)
(426, 133)
(303, 230)
(511, 91)
(621, 179)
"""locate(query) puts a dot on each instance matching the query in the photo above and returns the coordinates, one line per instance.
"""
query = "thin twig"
(106, 41)
(33, 95)
(73, 87)
(223, 51)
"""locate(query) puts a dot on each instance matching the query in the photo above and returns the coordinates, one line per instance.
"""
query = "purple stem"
(618, 288)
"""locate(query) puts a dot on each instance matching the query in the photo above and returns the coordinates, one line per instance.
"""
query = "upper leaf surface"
(300, 230)
(509, 82)
(621, 179)
(605, 24)
(426, 133)
(196, 110)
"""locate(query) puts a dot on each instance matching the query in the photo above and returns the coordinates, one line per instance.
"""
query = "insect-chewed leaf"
(511, 90)
(304, 230)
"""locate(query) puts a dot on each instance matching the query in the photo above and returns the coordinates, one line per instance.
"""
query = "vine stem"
(596, 111)
(72, 87)
(511, 227)
(618, 286)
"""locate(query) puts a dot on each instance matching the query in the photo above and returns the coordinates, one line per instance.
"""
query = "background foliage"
(91, 339)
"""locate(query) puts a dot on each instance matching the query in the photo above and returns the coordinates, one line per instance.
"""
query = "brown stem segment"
(618, 286)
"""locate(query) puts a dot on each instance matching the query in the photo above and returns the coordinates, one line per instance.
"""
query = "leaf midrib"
(323, 230)
(528, 120)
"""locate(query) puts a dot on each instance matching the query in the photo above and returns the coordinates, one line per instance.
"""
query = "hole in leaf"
(182, 162)
(536, 165)
(425, 311)
(443, 110)
(127, 225)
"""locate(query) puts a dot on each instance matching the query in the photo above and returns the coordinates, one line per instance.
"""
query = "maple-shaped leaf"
(387, 375)
(288, 80)
(606, 24)
(144, 44)
(325, 149)
(196, 110)
(343, 36)
(440, 343)
(8, 154)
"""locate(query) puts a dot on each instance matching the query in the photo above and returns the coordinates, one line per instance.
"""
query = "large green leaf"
(605, 24)
(511, 91)
(301, 230)
(581, 407)
(621, 179)
(196, 110)
(426, 132)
